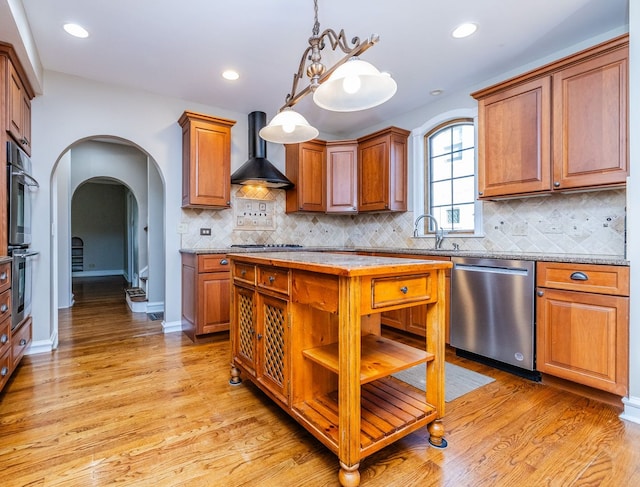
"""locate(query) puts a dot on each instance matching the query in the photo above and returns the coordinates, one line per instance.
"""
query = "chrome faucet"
(439, 233)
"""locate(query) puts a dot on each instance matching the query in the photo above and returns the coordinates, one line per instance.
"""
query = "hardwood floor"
(119, 402)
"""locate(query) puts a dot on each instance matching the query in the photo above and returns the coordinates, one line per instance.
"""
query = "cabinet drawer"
(274, 278)
(213, 263)
(245, 272)
(600, 279)
(5, 330)
(5, 276)
(20, 341)
(5, 304)
(391, 291)
(5, 368)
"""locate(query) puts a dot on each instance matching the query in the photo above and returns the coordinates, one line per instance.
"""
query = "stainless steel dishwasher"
(492, 310)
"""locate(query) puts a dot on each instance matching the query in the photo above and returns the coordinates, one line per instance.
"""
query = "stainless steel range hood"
(258, 170)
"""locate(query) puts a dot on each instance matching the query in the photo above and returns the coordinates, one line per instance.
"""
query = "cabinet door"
(206, 161)
(272, 341)
(396, 318)
(583, 337)
(213, 308)
(243, 340)
(306, 169)
(514, 132)
(342, 178)
(18, 110)
(590, 122)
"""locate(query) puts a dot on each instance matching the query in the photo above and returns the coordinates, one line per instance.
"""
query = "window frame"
(420, 164)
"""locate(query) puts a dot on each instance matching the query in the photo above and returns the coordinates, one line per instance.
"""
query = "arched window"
(450, 177)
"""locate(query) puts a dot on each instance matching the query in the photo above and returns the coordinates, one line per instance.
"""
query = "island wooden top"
(341, 264)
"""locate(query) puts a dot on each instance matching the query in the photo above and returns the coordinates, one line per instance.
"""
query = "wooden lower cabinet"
(205, 294)
(584, 336)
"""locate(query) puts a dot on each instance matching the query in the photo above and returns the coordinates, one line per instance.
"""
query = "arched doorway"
(120, 164)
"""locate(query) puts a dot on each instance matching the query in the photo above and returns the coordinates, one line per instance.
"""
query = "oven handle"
(25, 254)
(33, 183)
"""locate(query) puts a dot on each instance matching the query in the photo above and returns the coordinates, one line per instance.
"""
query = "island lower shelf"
(389, 408)
(379, 357)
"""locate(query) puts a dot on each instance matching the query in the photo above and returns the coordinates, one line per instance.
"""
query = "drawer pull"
(4, 308)
(3, 276)
(243, 272)
(4, 338)
(23, 342)
(404, 289)
(579, 276)
(224, 262)
(4, 371)
(540, 293)
(272, 279)
(259, 336)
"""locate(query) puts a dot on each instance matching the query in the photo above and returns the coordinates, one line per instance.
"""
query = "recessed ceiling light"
(464, 30)
(76, 30)
(436, 92)
(230, 74)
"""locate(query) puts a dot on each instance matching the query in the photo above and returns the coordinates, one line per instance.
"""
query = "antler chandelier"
(349, 85)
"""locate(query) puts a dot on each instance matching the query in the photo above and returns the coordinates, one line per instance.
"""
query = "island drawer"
(213, 263)
(5, 329)
(245, 272)
(392, 291)
(274, 278)
(593, 278)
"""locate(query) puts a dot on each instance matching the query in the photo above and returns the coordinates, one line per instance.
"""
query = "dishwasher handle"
(513, 271)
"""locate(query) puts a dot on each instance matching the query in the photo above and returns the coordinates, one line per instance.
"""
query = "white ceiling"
(180, 48)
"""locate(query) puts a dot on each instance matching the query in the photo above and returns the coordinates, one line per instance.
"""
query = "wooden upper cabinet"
(514, 131)
(18, 100)
(206, 161)
(342, 176)
(306, 169)
(590, 122)
(382, 170)
(560, 127)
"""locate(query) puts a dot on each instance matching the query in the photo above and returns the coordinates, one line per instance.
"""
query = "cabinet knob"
(23, 342)
(259, 336)
(480, 193)
(4, 338)
(3, 276)
(556, 184)
(404, 289)
(243, 272)
(4, 371)
(224, 262)
(272, 279)
(540, 293)
(4, 308)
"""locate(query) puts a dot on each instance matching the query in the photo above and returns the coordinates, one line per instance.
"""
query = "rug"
(458, 380)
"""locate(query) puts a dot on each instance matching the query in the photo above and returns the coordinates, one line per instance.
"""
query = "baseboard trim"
(157, 307)
(171, 327)
(103, 273)
(41, 346)
(631, 409)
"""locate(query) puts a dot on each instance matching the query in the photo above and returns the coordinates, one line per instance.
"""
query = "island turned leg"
(349, 476)
(436, 432)
(235, 376)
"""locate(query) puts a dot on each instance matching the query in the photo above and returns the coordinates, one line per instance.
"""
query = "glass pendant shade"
(355, 85)
(288, 127)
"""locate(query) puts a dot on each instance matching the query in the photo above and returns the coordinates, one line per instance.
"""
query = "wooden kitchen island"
(305, 328)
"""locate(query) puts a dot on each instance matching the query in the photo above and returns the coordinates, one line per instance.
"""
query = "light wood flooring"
(119, 402)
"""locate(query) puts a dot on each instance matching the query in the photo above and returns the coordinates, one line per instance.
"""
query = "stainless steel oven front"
(21, 281)
(20, 184)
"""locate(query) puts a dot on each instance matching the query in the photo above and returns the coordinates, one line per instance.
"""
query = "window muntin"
(450, 169)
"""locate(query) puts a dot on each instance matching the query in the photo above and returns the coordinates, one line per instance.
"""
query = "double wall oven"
(20, 187)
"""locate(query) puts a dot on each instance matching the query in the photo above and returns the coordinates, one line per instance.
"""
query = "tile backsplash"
(591, 223)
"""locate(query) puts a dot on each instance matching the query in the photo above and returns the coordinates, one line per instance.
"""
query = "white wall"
(72, 109)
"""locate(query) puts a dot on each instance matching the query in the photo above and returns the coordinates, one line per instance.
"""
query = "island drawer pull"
(224, 262)
(4, 338)
(4, 371)
(404, 289)
(579, 276)
(4, 308)
(3, 276)
(272, 279)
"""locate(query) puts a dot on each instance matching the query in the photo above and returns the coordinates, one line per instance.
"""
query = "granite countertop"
(539, 256)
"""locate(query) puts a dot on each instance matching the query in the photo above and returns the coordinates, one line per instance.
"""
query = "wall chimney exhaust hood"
(258, 170)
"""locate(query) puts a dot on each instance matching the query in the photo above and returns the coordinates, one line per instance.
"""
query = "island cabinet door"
(244, 329)
(272, 346)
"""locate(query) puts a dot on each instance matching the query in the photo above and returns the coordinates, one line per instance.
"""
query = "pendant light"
(351, 84)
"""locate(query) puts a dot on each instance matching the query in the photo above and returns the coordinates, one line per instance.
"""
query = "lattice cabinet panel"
(245, 340)
(272, 345)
